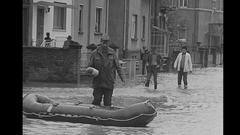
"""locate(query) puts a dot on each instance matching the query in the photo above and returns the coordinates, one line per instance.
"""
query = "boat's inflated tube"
(41, 107)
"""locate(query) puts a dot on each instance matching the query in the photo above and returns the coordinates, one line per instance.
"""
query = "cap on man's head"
(69, 37)
(105, 38)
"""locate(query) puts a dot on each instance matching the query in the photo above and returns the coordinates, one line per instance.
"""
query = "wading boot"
(155, 87)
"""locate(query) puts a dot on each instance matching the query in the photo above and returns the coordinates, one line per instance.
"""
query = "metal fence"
(131, 68)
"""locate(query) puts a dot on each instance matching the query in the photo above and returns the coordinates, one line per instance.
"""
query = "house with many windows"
(42, 16)
(164, 25)
(125, 21)
(198, 24)
(89, 23)
(85, 20)
(129, 26)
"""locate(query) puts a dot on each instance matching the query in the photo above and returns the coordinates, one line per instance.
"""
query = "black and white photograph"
(122, 67)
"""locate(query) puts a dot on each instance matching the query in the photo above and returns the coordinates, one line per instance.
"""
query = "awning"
(44, 3)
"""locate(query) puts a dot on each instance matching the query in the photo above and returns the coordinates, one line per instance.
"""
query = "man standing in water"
(105, 61)
(183, 64)
(153, 64)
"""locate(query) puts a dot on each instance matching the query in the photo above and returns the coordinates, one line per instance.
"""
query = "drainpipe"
(73, 22)
(210, 41)
(195, 26)
(106, 20)
(149, 24)
(30, 43)
(89, 21)
(124, 27)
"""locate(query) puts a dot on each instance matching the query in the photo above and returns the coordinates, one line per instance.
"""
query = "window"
(98, 20)
(171, 3)
(162, 22)
(214, 4)
(80, 18)
(59, 21)
(25, 28)
(182, 34)
(174, 3)
(143, 27)
(215, 41)
(183, 3)
(134, 27)
(134, 57)
(220, 3)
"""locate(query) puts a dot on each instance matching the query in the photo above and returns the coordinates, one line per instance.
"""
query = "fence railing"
(130, 68)
(48, 44)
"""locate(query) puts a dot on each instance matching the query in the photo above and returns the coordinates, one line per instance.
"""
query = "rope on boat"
(96, 118)
(49, 114)
(25, 95)
(50, 108)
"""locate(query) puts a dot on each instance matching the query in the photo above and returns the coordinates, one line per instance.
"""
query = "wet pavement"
(196, 111)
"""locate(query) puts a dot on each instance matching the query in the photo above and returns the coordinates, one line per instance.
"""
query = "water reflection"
(198, 112)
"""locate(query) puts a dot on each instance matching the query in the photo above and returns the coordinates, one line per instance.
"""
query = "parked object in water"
(41, 107)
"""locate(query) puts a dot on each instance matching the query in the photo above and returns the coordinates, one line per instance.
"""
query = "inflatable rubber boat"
(41, 107)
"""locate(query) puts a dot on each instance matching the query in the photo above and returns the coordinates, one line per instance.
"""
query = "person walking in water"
(153, 64)
(144, 54)
(183, 64)
(104, 59)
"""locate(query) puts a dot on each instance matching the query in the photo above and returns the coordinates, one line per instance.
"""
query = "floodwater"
(198, 111)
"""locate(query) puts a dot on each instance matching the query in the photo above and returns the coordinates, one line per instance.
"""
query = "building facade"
(129, 26)
(89, 23)
(159, 31)
(40, 17)
(85, 20)
(164, 25)
(27, 22)
(199, 25)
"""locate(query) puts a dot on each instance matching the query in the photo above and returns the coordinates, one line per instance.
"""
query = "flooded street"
(197, 111)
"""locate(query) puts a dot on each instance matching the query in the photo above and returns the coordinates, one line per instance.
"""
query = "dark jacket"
(67, 43)
(149, 59)
(107, 67)
(145, 57)
(143, 54)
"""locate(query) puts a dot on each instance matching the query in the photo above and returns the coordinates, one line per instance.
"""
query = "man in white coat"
(183, 64)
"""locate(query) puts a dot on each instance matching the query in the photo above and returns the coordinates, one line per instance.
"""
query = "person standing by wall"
(153, 65)
(48, 40)
(104, 59)
(183, 64)
(67, 42)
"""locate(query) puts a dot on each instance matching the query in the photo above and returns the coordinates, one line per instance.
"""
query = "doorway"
(40, 24)
(204, 58)
(25, 26)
